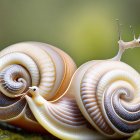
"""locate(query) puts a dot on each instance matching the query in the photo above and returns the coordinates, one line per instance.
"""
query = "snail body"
(62, 117)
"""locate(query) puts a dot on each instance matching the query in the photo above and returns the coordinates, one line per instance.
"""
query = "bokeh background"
(85, 29)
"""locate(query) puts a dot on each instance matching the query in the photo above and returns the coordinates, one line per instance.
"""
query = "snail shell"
(31, 64)
(108, 94)
(109, 97)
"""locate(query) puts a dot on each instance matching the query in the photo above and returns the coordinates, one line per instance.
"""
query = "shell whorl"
(13, 76)
(110, 95)
(10, 84)
(43, 73)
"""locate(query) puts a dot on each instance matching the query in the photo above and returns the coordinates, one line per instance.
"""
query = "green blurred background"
(85, 29)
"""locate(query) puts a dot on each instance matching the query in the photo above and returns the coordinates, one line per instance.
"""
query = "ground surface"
(8, 132)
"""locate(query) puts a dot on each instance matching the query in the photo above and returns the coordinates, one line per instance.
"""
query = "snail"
(107, 93)
(31, 64)
(101, 96)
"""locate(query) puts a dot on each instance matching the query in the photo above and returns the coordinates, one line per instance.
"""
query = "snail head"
(33, 90)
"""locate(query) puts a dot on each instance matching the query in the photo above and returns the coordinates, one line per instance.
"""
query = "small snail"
(101, 96)
(107, 93)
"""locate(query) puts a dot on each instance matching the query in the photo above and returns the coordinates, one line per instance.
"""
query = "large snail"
(106, 92)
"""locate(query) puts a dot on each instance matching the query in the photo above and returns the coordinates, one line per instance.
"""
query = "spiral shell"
(109, 97)
(31, 64)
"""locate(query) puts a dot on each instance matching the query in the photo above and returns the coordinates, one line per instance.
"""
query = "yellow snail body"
(31, 64)
(108, 95)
